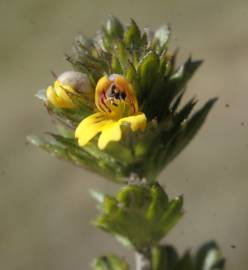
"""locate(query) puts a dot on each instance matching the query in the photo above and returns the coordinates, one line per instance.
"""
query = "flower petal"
(101, 87)
(51, 96)
(63, 98)
(90, 126)
(111, 132)
(137, 122)
(123, 83)
(58, 96)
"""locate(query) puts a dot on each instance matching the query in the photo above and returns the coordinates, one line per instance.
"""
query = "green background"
(45, 208)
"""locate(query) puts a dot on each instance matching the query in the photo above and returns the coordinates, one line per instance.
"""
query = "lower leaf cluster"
(139, 215)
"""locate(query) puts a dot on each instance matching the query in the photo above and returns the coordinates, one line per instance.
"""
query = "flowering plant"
(119, 113)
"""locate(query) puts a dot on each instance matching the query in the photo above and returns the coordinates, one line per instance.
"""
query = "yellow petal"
(58, 95)
(123, 83)
(90, 126)
(51, 96)
(102, 85)
(111, 132)
(63, 98)
(137, 122)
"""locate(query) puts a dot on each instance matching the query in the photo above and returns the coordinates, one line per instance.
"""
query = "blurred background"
(45, 207)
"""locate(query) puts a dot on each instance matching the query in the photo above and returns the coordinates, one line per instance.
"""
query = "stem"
(143, 262)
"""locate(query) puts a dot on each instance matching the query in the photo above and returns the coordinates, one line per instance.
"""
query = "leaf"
(172, 137)
(114, 28)
(180, 77)
(184, 113)
(164, 258)
(209, 257)
(109, 262)
(121, 53)
(132, 36)
(115, 65)
(162, 34)
(147, 72)
(89, 157)
(83, 44)
(186, 71)
(181, 140)
(139, 214)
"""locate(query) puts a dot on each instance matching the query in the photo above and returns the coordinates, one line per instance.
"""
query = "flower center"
(117, 102)
(114, 96)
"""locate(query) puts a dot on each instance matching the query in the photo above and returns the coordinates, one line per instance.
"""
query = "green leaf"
(83, 44)
(115, 65)
(69, 117)
(186, 71)
(209, 257)
(171, 140)
(189, 130)
(178, 80)
(147, 72)
(140, 214)
(132, 36)
(89, 157)
(184, 113)
(122, 54)
(114, 28)
(185, 263)
(164, 258)
(109, 262)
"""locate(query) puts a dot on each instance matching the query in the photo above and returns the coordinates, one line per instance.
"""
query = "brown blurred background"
(45, 207)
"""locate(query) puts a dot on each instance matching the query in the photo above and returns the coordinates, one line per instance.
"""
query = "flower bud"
(77, 80)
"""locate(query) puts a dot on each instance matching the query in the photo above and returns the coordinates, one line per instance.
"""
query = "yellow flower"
(116, 104)
(69, 82)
